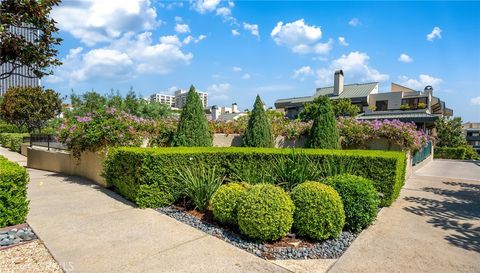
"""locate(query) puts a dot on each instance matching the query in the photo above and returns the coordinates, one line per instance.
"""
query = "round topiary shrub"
(265, 212)
(359, 197)
(224, 202)
(318, 211)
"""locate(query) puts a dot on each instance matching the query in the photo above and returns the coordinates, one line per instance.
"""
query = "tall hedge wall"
(129, 168)
(449, 153)
(12, 141)
(13, 193)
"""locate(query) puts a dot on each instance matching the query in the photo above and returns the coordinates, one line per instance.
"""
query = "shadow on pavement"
(454, 211)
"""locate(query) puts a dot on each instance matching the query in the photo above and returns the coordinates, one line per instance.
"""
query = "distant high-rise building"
(21, 76)
(179, 99)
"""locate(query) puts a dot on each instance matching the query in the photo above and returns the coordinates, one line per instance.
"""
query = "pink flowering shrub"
(357, 134)
(99, 130)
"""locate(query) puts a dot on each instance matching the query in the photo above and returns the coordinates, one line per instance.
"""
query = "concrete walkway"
(434, 226)
(90, 229)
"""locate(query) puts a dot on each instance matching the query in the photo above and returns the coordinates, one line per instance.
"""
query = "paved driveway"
(434, 226)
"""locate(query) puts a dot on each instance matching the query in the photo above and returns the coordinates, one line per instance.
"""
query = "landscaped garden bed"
(289, 247)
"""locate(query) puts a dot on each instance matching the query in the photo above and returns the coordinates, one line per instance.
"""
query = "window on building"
(381, 105)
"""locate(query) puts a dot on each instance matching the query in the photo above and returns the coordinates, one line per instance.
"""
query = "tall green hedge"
(129, 168)
(13, 193)
(449, 153)
(324, 132)
(12, 141)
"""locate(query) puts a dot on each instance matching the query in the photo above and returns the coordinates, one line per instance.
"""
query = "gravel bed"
(32, 257)
(14, 236)
(328, 249)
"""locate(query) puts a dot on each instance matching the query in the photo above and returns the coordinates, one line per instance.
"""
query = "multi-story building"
(181, 98)
(402, 103)
(21, 76)
(471, 130)
(163, 99)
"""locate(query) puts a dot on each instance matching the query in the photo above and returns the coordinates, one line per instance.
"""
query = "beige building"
(179, 98)
(471, 130)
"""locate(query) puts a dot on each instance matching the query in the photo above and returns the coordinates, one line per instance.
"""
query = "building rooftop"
(230, 116)
(411, 115)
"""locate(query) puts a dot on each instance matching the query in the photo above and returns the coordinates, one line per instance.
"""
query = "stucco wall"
(89, 165)
(235, 140)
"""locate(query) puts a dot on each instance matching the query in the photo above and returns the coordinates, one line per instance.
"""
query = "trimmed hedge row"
(129, 168)
(449, 153)
(12, 141)
(13, 193)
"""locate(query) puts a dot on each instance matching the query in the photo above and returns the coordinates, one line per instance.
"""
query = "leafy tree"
(324, 133)
(114, 99)
(449, 132)
(39, 55)
(93, 101)
(341, 108)
(131, 102)
(31, 107)
(193, 129)
(153, 110)
(259, 129)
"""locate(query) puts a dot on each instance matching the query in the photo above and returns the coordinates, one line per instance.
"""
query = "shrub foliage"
(449, 153)
(13, 193)
(12, 141)
(360, 199)
(193, 129)
(259, 128)
(127, 168)
(265, 212)
(324, 133)
(225, 201)
(318, 211)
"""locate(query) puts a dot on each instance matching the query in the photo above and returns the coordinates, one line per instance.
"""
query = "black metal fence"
(46, 141)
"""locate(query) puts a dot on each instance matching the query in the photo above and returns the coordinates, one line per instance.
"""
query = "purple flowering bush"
(357, 134)
(102, 129)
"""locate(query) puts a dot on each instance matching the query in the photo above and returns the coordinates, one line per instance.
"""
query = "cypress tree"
(259, 129)
(193, 129)
(324, 133)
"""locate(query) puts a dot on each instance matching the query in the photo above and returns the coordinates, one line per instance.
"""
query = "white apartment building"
(181, 98)
(163, 99)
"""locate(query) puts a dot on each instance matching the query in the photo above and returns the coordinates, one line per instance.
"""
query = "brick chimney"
(338, 83)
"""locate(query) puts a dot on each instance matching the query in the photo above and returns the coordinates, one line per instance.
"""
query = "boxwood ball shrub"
(359, 197)
(225, 200)
(265, 212)
(13, 193)
(318, 211)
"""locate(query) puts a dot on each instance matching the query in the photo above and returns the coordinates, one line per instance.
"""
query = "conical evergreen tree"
(324, 133)
(259, 129)
(193, 129)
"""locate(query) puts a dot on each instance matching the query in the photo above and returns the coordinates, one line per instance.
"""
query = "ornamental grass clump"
(265, 212)
(198, 183)
(359, 197)
(319, 211)
(225, 200)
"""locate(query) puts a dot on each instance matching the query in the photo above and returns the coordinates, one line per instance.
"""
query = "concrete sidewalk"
(434, 226)
(90, 229)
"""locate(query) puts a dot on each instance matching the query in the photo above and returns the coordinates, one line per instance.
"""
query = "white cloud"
(422, 81)
(342, 41)
(236, 69)
(246, 76)
(124, 58)
(404, 58)
(224, 11)
(354, 22)
(235, 32)
(219, 91)
(101, 21)
(436, 33)
(204, 6)
(355, 66)
(300, 37)
(200, 38)
(187, 40)
(178, 19)
(302, 73)
(182, 28)
(253, 28)
(475, 101)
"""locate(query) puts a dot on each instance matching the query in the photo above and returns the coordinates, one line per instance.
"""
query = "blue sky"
(235, 50)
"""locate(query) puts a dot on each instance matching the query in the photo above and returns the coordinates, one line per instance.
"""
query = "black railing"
(46, 141)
